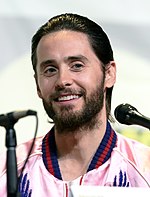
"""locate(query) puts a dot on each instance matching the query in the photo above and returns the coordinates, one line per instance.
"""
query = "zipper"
(68, 185)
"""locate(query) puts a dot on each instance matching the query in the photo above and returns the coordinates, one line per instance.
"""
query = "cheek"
(44, 89)
(92, 81)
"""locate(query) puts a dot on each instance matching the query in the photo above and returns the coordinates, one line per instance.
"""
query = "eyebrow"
(76, 57)
(46, 62)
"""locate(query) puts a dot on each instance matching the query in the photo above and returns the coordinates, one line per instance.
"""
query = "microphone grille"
(122, 113)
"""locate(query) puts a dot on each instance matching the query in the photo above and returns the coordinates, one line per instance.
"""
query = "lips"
(67, 97)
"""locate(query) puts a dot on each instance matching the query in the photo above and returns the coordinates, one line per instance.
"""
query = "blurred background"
(127, 23)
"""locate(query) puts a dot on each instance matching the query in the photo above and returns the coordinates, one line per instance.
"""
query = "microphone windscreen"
(122, 113)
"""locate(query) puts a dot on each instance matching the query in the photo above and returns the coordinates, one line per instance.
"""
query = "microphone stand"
(11, 162)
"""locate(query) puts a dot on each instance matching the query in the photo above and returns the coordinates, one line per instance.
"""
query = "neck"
(75, 151)
(83, 140)
(79, 140)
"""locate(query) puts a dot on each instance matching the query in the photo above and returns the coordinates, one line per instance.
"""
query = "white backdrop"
(127, 24)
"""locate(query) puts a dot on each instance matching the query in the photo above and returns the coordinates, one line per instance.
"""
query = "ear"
(37, 86)
(110, 74)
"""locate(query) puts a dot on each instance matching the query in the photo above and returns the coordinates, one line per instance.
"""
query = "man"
(75, 73)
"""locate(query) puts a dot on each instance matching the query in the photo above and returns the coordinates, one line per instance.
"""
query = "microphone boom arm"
(139, 120)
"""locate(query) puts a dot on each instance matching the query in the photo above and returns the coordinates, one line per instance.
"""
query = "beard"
(67, 120)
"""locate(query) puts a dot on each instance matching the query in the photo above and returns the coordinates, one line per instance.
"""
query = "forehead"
(65, 37)
(66, 32)
(64, 43)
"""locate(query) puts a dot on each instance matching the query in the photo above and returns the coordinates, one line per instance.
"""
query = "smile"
(68, 97)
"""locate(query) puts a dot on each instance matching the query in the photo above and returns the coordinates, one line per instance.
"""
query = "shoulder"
(22, 151)
(128, 143)
(135, 152)
(24, 148)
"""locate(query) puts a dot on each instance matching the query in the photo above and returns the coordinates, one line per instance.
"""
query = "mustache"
(59, 93)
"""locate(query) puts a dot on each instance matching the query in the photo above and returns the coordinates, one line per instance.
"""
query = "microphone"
(127, 114)
(13, 117)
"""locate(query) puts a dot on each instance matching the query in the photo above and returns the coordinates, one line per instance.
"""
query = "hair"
(97, 37)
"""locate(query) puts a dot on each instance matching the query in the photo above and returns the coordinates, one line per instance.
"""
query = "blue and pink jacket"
(118, 162)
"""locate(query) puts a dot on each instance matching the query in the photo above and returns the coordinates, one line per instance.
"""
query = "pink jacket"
(127, 166)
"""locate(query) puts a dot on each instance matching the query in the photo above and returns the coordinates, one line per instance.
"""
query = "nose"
(64, 79)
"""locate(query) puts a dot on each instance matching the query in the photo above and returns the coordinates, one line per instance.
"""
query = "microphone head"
(122, 113)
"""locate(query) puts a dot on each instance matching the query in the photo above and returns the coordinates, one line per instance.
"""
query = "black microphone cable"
(30, 150)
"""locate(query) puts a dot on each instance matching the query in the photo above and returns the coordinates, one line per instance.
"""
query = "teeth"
(67, 98)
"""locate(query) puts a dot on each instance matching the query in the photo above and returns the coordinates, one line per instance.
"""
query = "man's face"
(69, 79)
